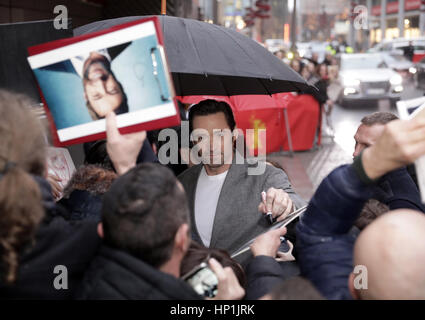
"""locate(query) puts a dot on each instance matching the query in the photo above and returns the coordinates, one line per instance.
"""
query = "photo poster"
(123, 69)
(291, 217)
(409, 109)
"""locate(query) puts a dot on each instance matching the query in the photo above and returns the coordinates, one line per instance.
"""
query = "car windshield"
(372, 62)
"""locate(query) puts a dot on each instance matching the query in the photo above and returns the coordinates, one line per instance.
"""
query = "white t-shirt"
(206, 198)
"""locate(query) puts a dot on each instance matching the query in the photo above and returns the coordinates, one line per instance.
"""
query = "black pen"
(269, 214)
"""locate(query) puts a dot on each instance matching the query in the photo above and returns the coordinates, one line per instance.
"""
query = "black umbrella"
(206, 59)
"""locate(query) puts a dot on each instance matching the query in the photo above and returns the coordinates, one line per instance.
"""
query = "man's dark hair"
(142, 212)
(378, 118)
(197, 253)
(296, 288)
(210, 106)
(96, 153)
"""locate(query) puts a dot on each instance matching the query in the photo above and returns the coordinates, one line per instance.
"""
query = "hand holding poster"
(122, 69)
(407, 110)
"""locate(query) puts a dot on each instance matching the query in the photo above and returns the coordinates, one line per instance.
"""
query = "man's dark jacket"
(265, 273)
(237, 219)
(58, 242)
(115, 274)
(324, 241)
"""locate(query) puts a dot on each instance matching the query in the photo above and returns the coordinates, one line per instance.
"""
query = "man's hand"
(122, 149)
(268, 243)
(228, 285)
(401, 143)
(286, 256)
(277, 202)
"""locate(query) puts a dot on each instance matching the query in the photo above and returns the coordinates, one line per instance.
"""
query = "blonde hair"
(22, 144)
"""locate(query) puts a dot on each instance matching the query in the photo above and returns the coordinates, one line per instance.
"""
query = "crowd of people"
(323, 75)
(129, 227)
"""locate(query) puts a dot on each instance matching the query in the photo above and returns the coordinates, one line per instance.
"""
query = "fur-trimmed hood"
(92, 178)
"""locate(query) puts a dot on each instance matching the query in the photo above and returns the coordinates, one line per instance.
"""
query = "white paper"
(59, 163)
(405, 112)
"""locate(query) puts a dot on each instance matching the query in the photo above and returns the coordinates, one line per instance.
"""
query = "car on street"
(397, 46)
(366, 77)
(400, 64)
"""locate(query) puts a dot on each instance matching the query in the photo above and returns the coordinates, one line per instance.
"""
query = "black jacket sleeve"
(398, 191)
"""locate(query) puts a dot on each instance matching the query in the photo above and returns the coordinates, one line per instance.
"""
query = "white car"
(397, 46)
(367, 77)
(400, 64)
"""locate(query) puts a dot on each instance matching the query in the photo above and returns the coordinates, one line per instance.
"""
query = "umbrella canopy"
(245, 102)
(206, 59)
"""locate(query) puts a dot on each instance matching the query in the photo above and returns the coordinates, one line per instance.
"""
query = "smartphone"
(284, 246)
(203, 280)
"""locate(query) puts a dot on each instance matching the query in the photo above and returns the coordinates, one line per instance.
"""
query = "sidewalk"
(308, 168)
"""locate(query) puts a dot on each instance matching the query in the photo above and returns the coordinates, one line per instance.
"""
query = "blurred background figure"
(295, 65)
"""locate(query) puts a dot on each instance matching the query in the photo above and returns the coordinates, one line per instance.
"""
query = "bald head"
(393, 250)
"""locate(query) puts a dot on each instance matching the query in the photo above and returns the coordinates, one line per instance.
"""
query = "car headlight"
(396, 80)
(350, 82)
(412, 70)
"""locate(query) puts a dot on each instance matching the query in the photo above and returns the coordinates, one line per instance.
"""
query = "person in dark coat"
(385, 197)
(145, 235)
(42, 256)
(57, 242)
(269, 267)
(335, 260)
(83, 194)
(322, 85)
(409, 51)
(296, 288)
(146, 153)
(117, 275)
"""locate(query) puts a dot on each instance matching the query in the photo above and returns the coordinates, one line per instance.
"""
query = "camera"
(203, 280)
(284, 246)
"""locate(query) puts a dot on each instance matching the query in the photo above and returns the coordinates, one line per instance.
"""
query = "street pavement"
(307, 169)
